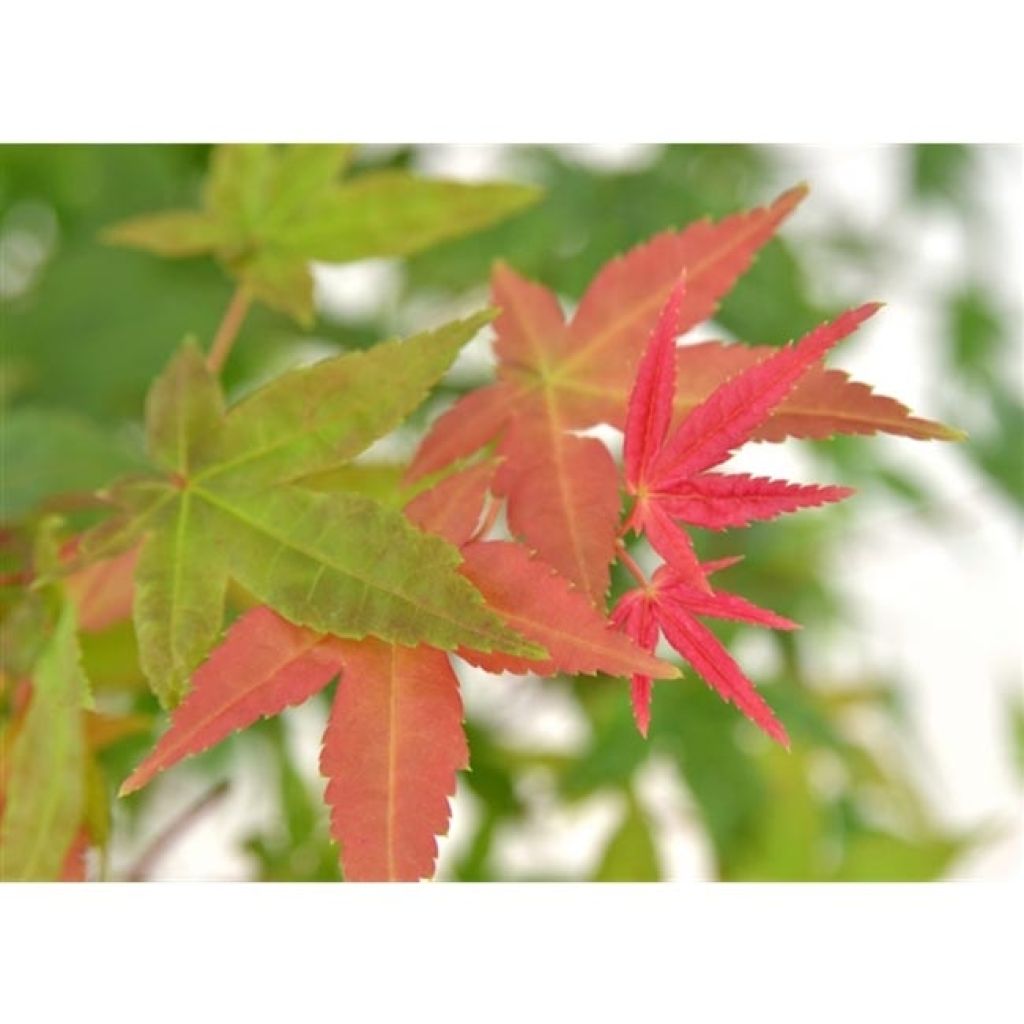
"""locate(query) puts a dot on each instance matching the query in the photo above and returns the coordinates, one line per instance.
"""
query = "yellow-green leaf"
(174, 233)
(184, 413)
(392, 213)
(318, 416)
(45, 794)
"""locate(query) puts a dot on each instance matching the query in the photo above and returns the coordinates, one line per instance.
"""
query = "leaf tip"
(129, 786)
(945, 433)
(792, 197)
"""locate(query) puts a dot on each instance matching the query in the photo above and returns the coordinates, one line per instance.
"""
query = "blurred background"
(903, 692)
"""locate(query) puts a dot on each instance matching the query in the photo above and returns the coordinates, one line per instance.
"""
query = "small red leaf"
(699, 646)
(718, 604)
(634, 615)
(718, 501)
(393, 746)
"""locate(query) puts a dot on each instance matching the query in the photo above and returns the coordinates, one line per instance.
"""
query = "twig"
(627, 560)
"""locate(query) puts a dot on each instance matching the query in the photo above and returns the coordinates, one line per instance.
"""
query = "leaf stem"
(229, 327)
(627, 560)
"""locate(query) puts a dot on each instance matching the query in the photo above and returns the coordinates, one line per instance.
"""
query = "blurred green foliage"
(84, 328)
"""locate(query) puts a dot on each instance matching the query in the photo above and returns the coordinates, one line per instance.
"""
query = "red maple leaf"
(556, 378)
(667, 472)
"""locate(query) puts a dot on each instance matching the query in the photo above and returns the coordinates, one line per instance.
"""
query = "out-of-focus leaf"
(45, 795)
(941, 172)
(391, 213)
(270, 211)
(631, 855)
(47, 452)
(300, 848)
(1017, 733)
(24, 632)
(881, 857)
(614, 751)
(698, 731)
(977, 332)
(786, 843)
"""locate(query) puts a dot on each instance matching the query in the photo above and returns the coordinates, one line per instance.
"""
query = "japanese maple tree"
(256, 507)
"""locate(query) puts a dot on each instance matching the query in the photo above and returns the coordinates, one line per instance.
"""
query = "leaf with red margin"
(392, 748)
(263, 665)
(669, 606)
(535, 600)
(718, 501)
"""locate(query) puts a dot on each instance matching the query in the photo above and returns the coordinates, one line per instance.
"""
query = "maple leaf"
(230, 503)
(669, 606)
(392, 748)
(394, 742)
(269, 211)
(561, 490)
(263, 665)
(826, 402)
(555, 378)
(542, 605)
(667, 471)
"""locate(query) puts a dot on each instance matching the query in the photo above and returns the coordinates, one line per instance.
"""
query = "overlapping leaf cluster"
(257, 495)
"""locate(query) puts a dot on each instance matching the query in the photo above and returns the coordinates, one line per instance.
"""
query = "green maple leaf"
(229, 502)
(268, 211)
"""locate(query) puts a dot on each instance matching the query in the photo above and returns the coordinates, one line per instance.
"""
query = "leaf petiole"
(229, 327)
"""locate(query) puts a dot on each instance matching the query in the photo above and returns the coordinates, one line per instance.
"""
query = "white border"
(528, 71)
